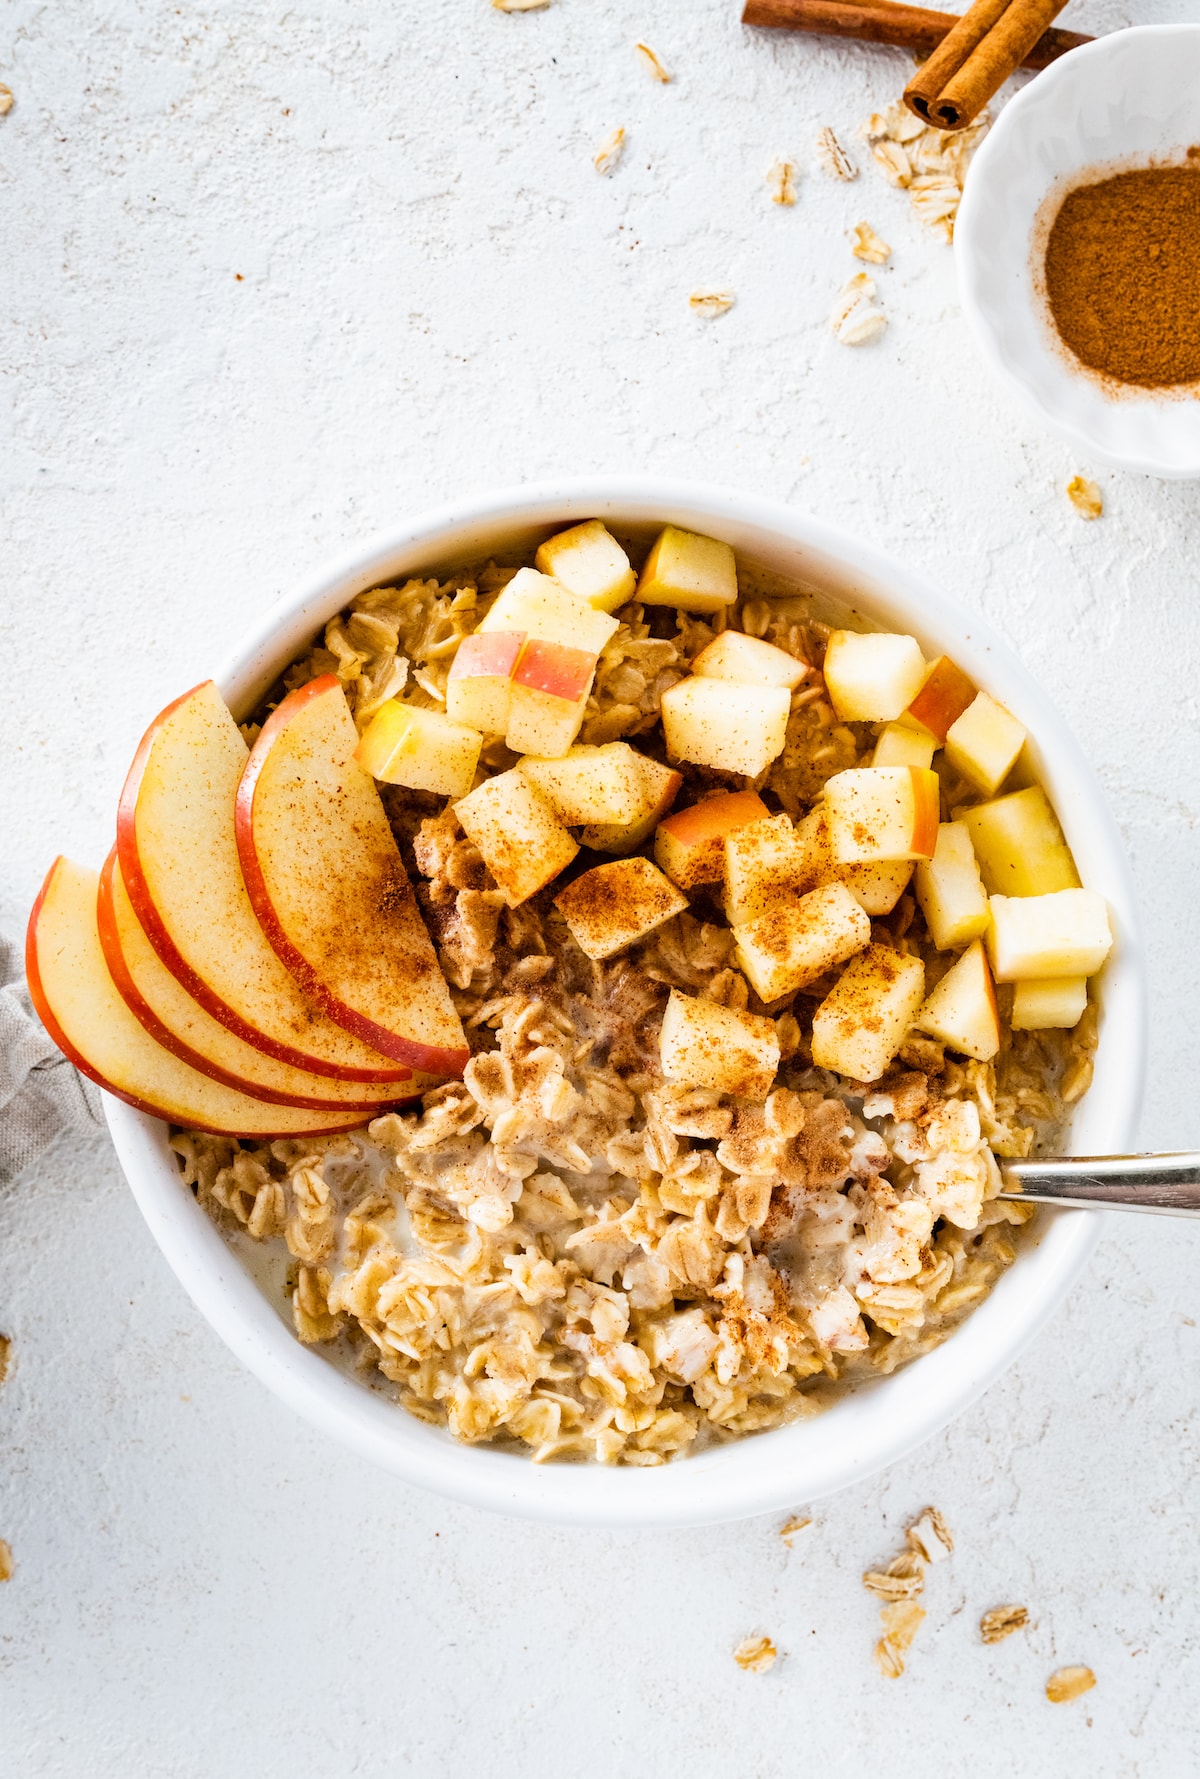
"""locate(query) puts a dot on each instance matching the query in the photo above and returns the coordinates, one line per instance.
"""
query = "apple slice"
(421, 749)
(690, 846)
(658, 787)
(613, 906)
(591, 784)
(519, 837)
(872, 676)
(899, 745)
(78, 1003)
(943, 697)
(961, 1011)
(1066, 933)
(325, 878)
(479, 687)
(950, 890)
(692, 573)
(984, 743)
(862, 1022)
(882, 812)
(546, 611)
(1019, 845)
(179, 861)
(749, 661)
(550, 690)
(799, 939)
(718, 1048)
(714, 722)
(1054, 1003)
(182, 1026)
(590, 563)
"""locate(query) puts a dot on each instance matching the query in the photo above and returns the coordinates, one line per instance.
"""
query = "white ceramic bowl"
(1118, 101)
(888, 1417)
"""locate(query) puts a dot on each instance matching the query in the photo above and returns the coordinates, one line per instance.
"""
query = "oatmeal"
(711, 1161)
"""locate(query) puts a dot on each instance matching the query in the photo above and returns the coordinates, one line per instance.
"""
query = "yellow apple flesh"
(658, 787)
(589, 562)
(961, 1011)
(798, 940)
(716, 1048)
(749, 661)
(950, 890)
(862, 1022)
(519, 837)
(732, 728)
(690, 572)
(479, 687)
(872, 676)
(984, 743)
(882, 812)
(690, 845)
(1055, 1003)
(1019, 845)
(421, 749)
(1066, 933)
(613, 906)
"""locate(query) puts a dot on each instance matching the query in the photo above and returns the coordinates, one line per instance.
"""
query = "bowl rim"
(867, 1429)
(973, 282)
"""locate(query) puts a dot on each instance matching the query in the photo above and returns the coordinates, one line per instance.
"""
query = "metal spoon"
(1168, 1184)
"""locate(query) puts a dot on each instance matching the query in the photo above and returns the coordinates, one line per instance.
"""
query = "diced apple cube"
(705, 1045)
(984, 743)
(733, 728)
(862, 1022)
(551, 683)
(658, 789)
(590, 784)
(539, 606)
(1054, 1003)
(872, 676)
(877, 888)
(950, 891)
(1066, 933)
(944, 695)
(421, 749)
(798, 939)
(764, 863)
(519, 837)
(749, 661)
(882, 812)
(961, 1011)
(690, 845)
(590, 563)
(614, 905)
(479, 688)
(696, 574)
(1020, 846)
(899, 745)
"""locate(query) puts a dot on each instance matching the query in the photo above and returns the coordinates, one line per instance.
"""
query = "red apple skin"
(490, 654)
(554, 668)
(942, 699)
(127, 988)
(444, 1063)
(715, 816)
(154, 929)
(37, 995)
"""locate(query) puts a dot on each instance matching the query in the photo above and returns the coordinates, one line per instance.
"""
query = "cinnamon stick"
(988, 44)
(879, 21)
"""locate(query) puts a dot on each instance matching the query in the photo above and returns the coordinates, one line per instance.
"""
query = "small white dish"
(1124, 99)
(883, 1420)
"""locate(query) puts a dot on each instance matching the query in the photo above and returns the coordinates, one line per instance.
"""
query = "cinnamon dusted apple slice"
(80, 1007)
(179, 861)
(326, 880)
(182, 1026)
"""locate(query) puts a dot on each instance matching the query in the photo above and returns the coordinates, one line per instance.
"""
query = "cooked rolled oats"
(653, 62)
(610, 151)
(857, 317)
(833, 156)
(711, 303)
(1085, 497)
(781, 181)
(1001, 1622)
(1066, 1684)
(869, 246)
(755, 1654)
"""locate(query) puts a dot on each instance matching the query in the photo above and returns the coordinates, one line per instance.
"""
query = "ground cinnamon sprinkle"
(1123, 272)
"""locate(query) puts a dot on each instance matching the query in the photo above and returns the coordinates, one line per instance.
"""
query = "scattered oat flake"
(901, 1621)
(1001, 1622)
(856, 316)
(888, 1659)
(520, 5)
(868, 245)
(711, 303)
(6, 1563)
(833, 156)
(1085, 497)
(755, 1654)
(652, 62)
(781, 181)
(5, 1356)
(1066, 1684)
(791, 1528)
(894, 161)
(609, 152)
(930, 1536)
(896, 121)
(893, 1587)
(6, 100)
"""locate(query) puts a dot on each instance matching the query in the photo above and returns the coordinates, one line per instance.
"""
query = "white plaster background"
(273, 276)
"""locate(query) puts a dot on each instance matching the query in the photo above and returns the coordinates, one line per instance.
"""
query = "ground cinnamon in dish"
(1123, 272)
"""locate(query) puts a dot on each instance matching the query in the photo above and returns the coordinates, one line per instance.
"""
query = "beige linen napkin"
(41, 1093)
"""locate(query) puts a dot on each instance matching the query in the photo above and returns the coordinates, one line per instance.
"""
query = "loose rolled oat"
(1066, 1684)
(791, 1529)
(1085, 497)
(857, 317)
(1001, 1622)
(869, 246)
(520, 5)
(781, 181)
(930, 1537)
(711, 303)
(833, 156)
(930, 164)
(653, 62)
(610, 151)
(5, 1356)
(6, 1562)
(6, 100)
(755, 1655)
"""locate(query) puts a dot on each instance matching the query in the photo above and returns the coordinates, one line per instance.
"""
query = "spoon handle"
(1169, 1184)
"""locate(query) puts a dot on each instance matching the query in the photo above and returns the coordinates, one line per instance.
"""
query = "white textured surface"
(438, 292)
